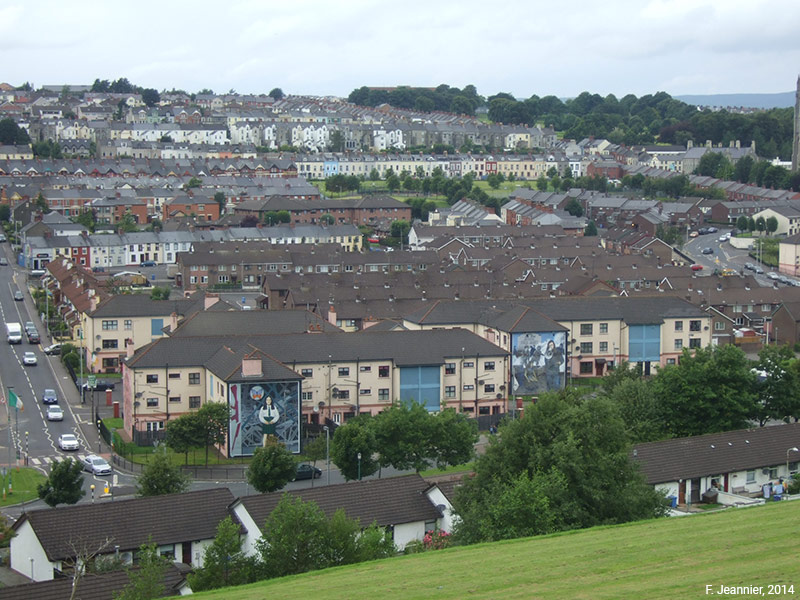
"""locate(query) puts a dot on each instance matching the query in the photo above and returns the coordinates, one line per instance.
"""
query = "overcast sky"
(558, 47)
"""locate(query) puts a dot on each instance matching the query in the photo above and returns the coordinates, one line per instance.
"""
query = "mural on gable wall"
(248, 402)
(538, 362)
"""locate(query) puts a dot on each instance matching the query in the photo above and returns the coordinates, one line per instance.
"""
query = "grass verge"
(23, 485)
(664, 558)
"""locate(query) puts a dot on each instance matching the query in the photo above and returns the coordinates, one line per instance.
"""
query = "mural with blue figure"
(260, 410)
(538, 362)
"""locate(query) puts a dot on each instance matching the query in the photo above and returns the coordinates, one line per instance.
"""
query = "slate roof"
(136, 305)
(169, 519)
(390, 501)
(251, 322)
(717, 453)
(92, 587)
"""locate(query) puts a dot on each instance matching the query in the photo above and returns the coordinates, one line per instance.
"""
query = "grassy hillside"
(666, 558)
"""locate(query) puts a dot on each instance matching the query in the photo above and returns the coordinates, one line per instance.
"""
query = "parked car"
(759, 270)
(54, 413)
(49, 396)
(148, 263)
(96, 465)
(53, 349)
(68, 441)
(707, 251)
(306, 471)
(750, 266)
(773, 275)
(703, 230)
(29, 359)
(697, 267)
(101, 385)
(712, 230)
(18, 296)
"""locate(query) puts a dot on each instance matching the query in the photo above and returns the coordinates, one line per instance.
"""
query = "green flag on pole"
(14, 401)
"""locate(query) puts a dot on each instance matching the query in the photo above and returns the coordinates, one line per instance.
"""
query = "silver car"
(96, 465)
(54, 413)
(68, 441)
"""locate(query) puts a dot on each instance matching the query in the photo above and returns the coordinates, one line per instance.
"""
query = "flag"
(14, 401)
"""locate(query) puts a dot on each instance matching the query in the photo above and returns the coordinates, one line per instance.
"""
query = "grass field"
(23, 485)
(665, 558)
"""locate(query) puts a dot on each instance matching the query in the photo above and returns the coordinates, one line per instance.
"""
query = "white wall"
(253, 530)
(26, 546)
(449, 518)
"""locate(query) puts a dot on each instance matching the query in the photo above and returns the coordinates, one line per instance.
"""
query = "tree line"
(442, 98)
(761, 173)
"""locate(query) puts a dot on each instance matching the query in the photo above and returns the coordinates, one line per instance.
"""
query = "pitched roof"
(717, 453)
(390, 501)
(173, 518)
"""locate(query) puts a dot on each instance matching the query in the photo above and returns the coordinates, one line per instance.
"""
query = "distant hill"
(779, 100)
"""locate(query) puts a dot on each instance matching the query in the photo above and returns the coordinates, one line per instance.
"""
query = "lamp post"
(26, 449)
(91, 487)
(16, 424)
(793, 449)
(327, 454)
(359, 466)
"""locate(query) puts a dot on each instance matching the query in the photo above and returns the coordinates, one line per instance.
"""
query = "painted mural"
(538, 362)
(264, 409)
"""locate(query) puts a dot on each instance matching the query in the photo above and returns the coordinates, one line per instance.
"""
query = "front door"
(682, 492)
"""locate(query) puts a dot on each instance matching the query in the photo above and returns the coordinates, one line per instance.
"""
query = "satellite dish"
(316, 409)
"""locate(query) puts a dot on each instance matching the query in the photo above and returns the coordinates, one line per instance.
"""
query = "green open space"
(662, 558)
(23, 485)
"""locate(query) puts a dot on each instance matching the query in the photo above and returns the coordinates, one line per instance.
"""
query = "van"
(37, 273)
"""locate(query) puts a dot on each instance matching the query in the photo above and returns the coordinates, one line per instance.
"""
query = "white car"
(96, 465)
(29, 359)
(68, 441)
(54, 413)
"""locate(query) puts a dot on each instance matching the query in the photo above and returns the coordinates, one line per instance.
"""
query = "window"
(307, 396)
(344, 371)
(751, 477)
(152, 378)
(174, 399)
(603, 347)
(603, 327)
(383, 371)
(450, 391)
(152, 403)
(586, 347)
(469, 386)
(488, 388)
(694, 343)
(306, 372)
(671, 361)
(678, 325)
(468, 364)
(383, 394)
(793, 467)
(449, 368)
(678, 344)
(128, 324)
(586, 367)
(174, 375)
(194, 378)
(365, 369)
(343, 394)
(365, 392)
(773, 473)
(488, 365)
(194, 401)
(110, 325)
(110, 344)
(586, 329)
(719, 326)
(694, 325)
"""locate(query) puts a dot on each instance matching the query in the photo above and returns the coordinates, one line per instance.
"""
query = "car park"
(306, 471)
(29, 359)
(707, 251)
(49, 396)
(53, 349)
(54, 413)
(68, 441)
(18, 296)
(96, 465)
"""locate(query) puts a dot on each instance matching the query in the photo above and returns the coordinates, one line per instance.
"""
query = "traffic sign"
(92, 382)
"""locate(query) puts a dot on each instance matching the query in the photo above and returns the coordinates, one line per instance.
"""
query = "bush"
(794, 484)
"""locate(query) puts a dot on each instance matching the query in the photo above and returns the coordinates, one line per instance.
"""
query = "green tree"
(64, 485)
(87, 219)
(12, 134)
(161, 477)
(194, 182)
(146, 579)
(454, 438)
(41, 203)
(127, 224)
(761, 224)
(336, 143)
(709, 390)
(574, 207)
(150, 96)
(741, 223)
(271, 468)
(494, 181)
(327, 219)
(351, 439)
(185, 433)
(591, 229)
(159, 293)
(541, 184)
(5, 213)
(778, 393)
(316, 450)
(283, 216)
(294, 538)
(224, 561)
(392, 183)
(6, 533)
(374, 175)
(771, 224)
(219, 198)
(404, 435)
(214, 418)
(568, 459)
(636, 402)
(399, 229)
(276, 93)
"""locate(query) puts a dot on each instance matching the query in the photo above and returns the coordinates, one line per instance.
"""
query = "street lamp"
(26, 448)
(794, 449)
(327, 454)
(91, 487)
(359, 466)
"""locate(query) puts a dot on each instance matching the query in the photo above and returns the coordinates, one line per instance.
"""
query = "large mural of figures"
(262, 410)
(538, 362)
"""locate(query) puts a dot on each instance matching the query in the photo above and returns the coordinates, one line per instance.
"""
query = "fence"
(211, 472)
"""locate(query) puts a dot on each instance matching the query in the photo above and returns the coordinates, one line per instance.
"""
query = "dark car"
(53, 349)
(33, 336)
(101, 385)
(18, 296)
(306, 471)
(707, 251)
(148, 263)
(49, 396)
